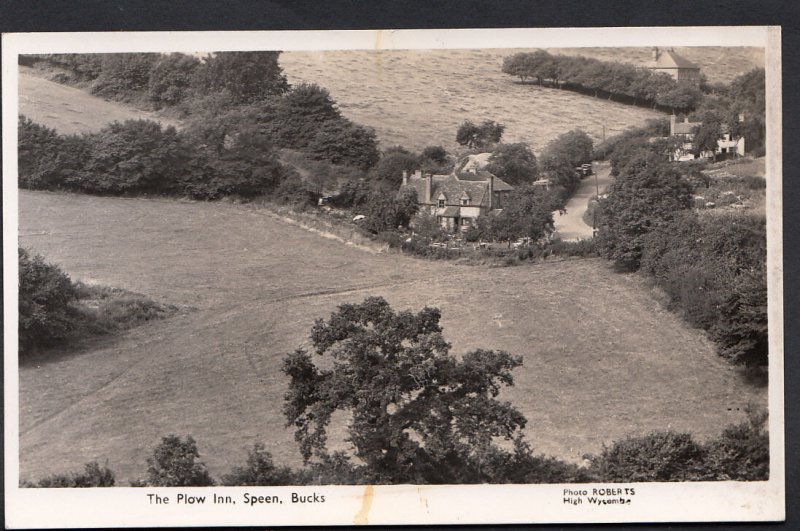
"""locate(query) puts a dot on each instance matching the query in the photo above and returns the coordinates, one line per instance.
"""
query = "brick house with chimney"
(458, 199)
(680, 69)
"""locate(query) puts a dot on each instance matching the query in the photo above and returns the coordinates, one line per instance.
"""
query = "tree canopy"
(418, 413)
(479, 135)
(514, 163)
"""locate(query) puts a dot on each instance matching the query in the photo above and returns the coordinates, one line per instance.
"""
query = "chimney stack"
(672, 125)
(491, 191)
(405, 177)
(428, 186)
(418, 174)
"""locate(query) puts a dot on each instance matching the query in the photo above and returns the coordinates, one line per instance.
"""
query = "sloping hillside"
(419, 98)
(601, 358)
(70, 110)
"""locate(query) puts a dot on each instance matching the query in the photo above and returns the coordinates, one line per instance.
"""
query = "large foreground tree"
(418, 413)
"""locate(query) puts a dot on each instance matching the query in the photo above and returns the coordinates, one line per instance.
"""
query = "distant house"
(459, 198)
(727, 144)
(679, 68)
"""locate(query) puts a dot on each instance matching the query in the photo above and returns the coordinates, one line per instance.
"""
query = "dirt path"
(570, 226)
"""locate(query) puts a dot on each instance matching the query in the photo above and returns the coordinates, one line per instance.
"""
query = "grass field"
(69, 110)
(419, 98)
(601, 358)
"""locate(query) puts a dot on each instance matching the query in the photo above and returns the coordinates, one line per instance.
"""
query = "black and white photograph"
(384, 277)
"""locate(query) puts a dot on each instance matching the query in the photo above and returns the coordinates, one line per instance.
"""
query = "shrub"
(133, 156)
(45, 295)
(659, 456)
(741, 453)
(47, 160)
(93, 475)
(260, 470)
(173, 464)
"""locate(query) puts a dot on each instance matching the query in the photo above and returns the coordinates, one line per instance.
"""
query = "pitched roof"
(669, 59)
(454, 186)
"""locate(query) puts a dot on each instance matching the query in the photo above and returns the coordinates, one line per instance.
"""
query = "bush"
(741, 453)
(260, 470)
(173, 464)
(133, 156)
(714, 271)
(45, 297)
(659, 456)
(93, 475)
(47, 160)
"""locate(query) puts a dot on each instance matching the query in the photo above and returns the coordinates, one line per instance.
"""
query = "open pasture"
(602, 359)
(419, 98)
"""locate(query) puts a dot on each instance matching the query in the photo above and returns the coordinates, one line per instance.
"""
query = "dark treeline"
(612, 80)
(712, 265)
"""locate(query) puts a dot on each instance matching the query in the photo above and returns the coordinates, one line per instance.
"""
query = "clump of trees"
(226, 95)
(479, 136)
(615, 81)
(141, 157)
(713, 268)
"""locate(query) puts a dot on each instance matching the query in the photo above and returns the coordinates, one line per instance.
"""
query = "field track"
(601, 358)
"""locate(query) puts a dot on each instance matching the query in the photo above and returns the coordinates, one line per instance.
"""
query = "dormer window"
(465, 198)
(441, 203)
(442, 200)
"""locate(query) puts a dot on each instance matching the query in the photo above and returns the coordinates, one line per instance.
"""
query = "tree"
(124, 75)
(389, 169)
(343, 142)
(172, 79)
(260, 470)
(706, 135)
(418, 413)
(647, 193)
(481, 135)
(173, 464)
(514, 163)
(388, 211)
(300, 113)
(45, 296)
(247, 76)
(528, 213)
(574, 147)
